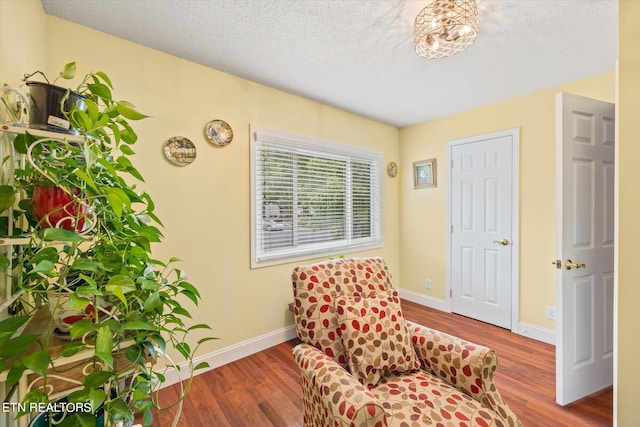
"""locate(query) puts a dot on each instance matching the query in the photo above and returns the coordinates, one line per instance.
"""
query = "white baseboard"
(263, 342)
(231, 354)
(535, 332)
(437, 303)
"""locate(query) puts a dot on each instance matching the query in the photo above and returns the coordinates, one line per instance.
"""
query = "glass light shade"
(445, 27)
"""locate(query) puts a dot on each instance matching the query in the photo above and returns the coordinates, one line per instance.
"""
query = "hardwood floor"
(264, 389)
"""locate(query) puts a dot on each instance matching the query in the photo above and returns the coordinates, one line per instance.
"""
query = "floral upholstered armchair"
(363, 365)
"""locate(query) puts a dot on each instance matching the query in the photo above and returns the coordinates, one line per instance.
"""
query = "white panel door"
(585, 238)
(482, 227)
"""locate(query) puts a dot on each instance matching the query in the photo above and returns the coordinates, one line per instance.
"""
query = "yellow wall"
(423, 212)
(205, 206)
(627, 338)
(22, 35)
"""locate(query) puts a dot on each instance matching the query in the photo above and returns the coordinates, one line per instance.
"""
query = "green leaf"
(44, 266)
(81, 327)
(100, 90)
(38, 362)
(96, 397)
(69, 71)
(49, 253)
(104, 78)
(97, 378)
(84, 264)
(118, 200)
(59, 235)
(15, 373)
(147, 417)
(80, 119)
(104, 346)
(182, 312)
(86, 178)
(137, 325)
(4, 262)
(119, 285)
(205, 339)
(201, 365)
(72, 348)
(77, 302)
(153, 302)
(21, 144)
(119, 410)
(191, 296)
(150, 285)
(7, 197)
(189, 287)
(10, 325)
(128, 110)
(135, 354)
(199, 326)
(92, 111)
(184, 349)
(127, 150)
(17, 345)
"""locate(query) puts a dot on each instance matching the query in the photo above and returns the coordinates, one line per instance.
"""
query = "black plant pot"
(45, 111)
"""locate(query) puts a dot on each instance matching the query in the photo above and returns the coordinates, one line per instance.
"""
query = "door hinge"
(452, 229)
(450, 293)
(451, 163)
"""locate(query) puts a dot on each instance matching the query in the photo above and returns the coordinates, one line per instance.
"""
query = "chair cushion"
(375, 336)
(420, 399)
(314, 290)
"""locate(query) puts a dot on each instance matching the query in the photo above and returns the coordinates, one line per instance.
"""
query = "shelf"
(17, 130)
(7, 241)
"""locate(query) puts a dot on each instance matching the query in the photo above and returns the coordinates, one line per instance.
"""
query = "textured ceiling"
(358, 55)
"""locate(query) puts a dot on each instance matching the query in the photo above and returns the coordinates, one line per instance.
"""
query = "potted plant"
(132, 303)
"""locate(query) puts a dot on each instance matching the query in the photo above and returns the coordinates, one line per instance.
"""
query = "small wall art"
(424, 174)
(179, 151)
(219, 133)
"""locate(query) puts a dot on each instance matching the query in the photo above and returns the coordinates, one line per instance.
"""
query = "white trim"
(231, 354)
(426, 300)
(515, 217)
(537, 333)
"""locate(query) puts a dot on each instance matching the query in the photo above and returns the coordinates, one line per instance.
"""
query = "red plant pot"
(58, 208)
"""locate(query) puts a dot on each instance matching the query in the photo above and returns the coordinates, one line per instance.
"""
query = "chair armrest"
(468, 367)
(332, 397)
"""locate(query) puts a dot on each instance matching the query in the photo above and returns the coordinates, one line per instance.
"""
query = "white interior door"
(585, 237)
(483, 220)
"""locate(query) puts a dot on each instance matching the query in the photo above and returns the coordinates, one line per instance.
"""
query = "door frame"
(515, 217)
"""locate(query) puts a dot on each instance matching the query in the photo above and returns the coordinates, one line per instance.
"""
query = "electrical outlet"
(551, 313)
(427, 283)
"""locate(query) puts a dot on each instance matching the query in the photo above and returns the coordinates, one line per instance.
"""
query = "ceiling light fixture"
(446, 27)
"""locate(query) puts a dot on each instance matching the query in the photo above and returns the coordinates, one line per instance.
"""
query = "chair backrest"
(315, 287)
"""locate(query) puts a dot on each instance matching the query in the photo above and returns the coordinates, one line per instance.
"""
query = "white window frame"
(284, 139)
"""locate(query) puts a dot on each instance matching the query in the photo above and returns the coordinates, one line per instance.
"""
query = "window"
(311, 197)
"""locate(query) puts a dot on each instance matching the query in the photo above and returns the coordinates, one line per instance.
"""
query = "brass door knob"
(503, 242)
(568, 264)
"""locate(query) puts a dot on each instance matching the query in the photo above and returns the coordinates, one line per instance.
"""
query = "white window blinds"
(311, 197)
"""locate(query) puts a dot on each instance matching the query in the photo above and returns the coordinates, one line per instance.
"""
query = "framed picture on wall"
(424, 174)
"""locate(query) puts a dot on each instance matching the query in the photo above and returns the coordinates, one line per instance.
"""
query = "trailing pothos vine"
(136, 305)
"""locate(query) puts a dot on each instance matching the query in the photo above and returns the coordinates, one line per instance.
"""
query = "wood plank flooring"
(264, 389)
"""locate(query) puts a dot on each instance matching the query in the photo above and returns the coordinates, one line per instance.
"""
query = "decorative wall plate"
(392, 169)
(179, 150)
(219, 132)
